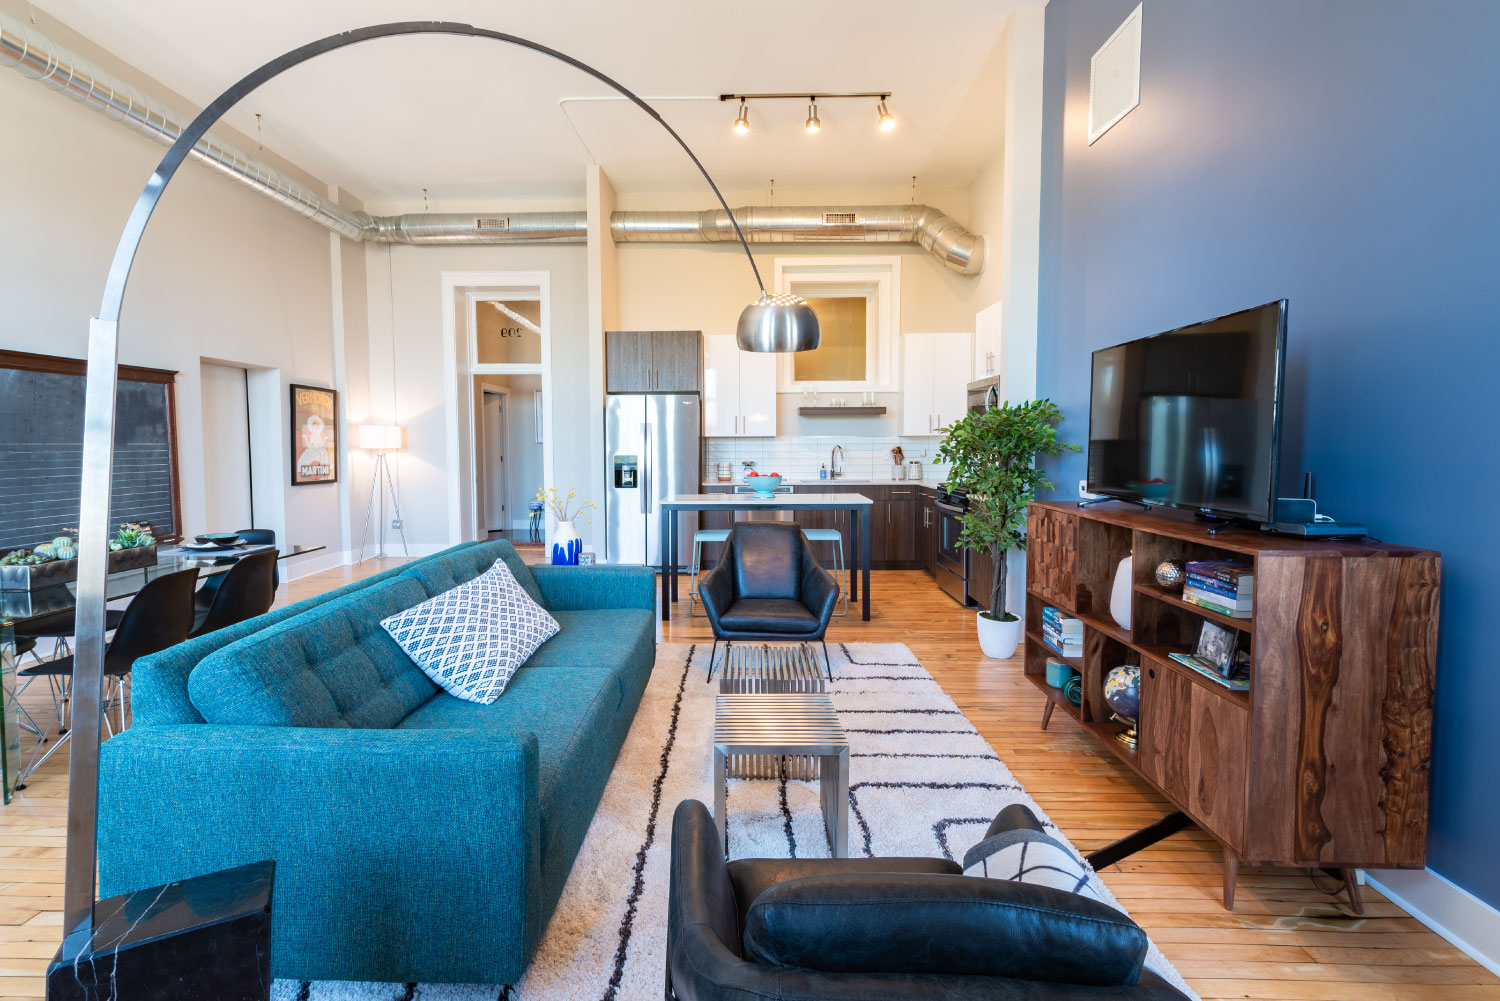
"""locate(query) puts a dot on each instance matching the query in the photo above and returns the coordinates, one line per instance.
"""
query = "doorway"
(493, 489)
(228, 487)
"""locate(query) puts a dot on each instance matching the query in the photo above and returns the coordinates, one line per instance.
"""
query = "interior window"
(506, 331)
(843, 352)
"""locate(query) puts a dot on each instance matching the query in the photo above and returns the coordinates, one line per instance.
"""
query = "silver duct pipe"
(923, 225)
(29, 52)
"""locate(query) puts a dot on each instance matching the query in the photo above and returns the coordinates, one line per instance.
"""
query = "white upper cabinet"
(739, 390)
(935, 376)
(987, 342)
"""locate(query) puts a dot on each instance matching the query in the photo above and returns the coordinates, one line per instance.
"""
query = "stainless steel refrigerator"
(652, 450)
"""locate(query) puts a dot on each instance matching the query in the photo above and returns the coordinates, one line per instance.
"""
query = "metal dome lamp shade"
(769, 324)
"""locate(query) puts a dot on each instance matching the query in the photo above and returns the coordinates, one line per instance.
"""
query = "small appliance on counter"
(914, 469)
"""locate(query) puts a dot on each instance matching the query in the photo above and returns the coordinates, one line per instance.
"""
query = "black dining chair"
(160, 615)
(247, 590)
(254, 536)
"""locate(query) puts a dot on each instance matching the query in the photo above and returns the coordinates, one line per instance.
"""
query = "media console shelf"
(1323, 762)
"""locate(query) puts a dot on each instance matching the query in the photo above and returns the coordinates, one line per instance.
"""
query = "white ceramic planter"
(998, 639)
(566, 537)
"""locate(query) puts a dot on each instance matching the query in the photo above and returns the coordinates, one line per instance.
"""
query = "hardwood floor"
(1289, 937)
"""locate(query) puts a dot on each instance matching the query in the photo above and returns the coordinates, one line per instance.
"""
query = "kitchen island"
(856, 504)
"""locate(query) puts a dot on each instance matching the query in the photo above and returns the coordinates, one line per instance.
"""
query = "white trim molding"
(1447, 908)
(878, 280)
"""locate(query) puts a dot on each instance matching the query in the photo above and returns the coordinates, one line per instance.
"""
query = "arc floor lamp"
(771, 323)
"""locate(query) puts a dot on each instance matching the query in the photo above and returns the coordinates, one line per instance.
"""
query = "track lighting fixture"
(887, 120)
(742, 123)
(813, 124)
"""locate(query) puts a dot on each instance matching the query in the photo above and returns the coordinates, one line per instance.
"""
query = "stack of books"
(1062, 632)
(1222, 586)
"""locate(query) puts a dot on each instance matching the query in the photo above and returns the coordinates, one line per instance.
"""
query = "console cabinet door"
(1052, 555)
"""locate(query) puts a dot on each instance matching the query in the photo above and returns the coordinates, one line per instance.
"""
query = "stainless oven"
(984, 395)
(952, 570)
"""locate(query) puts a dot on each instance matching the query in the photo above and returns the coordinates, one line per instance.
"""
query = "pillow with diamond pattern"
(471, 639)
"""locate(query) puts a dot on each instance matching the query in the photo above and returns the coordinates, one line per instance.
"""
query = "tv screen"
(1192, 417)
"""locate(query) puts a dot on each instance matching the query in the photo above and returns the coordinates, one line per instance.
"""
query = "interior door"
(226, 457)
(950, 378)
(495, 491)
(757, 393)
(721, 386)
(916, 384)
(625, 478)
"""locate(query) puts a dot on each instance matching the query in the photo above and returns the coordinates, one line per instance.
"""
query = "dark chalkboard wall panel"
(41, 453)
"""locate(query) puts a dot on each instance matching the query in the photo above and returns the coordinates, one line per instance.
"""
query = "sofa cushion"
(580, 716)
(471, 639)
(594, 636)
(445, 573)
(769, 615)
(331, 666)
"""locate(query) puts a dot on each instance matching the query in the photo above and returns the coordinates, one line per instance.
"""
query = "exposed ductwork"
(32, 54)
(920, 224)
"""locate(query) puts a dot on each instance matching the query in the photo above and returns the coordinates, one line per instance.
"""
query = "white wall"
(221, 274)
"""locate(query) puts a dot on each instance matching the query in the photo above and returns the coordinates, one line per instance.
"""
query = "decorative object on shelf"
(588, 557)
(992, 455)
(382, 439)
(1073, 690)
(566, 545)
(1119, 594)
(1058, 672)
(764, 484)
(1063, 632)
(315, 435)
(1223, 586)
(1122, 693)
(1171, 573)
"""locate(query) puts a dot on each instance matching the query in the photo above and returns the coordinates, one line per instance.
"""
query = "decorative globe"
(1122, 691)
(1170, 573)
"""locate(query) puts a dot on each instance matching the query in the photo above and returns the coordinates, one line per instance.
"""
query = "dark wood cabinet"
(900, 524)
(927, 529)
(1324, 761)
(981, 580)
(653, 361)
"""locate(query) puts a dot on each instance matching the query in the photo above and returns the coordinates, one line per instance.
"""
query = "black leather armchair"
(768, 586)
(889, 929)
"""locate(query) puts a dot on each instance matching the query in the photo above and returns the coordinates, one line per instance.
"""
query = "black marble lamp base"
(195, 939)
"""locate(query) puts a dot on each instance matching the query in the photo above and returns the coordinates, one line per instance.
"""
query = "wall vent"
(492, 223)
(840, 218)
(1115, 77)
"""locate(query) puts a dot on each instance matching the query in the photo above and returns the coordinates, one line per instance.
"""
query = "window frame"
(25, 361)
(837, 277)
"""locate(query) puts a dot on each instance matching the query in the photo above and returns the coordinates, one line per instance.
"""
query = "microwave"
(984, 395)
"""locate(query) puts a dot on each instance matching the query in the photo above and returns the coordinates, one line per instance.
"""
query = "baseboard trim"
(1469, 923)
(297, 567)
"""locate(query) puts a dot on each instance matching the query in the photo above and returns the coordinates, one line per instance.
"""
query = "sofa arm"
(572, 588)
(401, 855)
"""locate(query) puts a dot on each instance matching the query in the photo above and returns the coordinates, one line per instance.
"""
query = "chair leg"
(842, 575)
(697, 565)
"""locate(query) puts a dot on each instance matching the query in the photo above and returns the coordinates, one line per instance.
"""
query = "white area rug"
(922, 781)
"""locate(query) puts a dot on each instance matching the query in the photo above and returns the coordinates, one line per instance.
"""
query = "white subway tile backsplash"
(799, 458)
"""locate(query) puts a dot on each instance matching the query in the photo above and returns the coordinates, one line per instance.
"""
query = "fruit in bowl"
(764, 484)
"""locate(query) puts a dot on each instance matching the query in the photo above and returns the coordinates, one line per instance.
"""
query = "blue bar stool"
(699, 537)
(840, 571)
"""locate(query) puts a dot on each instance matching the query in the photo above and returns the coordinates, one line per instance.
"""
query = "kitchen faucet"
(836, 462)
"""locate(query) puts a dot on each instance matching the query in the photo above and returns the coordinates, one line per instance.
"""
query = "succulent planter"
(30, 578)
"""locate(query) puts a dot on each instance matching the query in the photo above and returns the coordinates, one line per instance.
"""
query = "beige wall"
(221, 274)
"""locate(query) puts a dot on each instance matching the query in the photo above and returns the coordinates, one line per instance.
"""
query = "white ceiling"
(474, 120)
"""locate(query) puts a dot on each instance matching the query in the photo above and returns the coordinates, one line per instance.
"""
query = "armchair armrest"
(818, 588)
(716, 590)
(386, 842)
(574, 588)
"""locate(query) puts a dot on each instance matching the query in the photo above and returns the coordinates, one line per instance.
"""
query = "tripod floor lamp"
(381, 439)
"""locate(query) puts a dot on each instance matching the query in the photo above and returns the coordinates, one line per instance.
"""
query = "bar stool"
(699, 537)
(840, 572)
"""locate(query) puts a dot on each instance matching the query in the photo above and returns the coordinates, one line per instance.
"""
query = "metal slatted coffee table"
(801, 723)
(765, 668)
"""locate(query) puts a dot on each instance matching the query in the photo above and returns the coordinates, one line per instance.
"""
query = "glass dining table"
(20, 608)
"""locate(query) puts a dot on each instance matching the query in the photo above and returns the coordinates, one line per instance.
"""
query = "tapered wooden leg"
(1231, 873)
(1351, 886)
(1047, 713)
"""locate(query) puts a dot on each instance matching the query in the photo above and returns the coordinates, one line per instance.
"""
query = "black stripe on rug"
(844, 649)
(941, 830)
(786, 813)
(304, 990)
(864, 826)
(855, 729)
(627, 923)
(918, 754)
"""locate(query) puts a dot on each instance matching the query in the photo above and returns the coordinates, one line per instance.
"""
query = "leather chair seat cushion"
(769, 615)
(913, 923)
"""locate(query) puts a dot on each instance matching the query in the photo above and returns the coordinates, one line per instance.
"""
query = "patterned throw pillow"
(471, 639)
(1027, 856)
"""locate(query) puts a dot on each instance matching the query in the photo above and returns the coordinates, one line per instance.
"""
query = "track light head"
(742, 122)
(887, 120)
(813, 124)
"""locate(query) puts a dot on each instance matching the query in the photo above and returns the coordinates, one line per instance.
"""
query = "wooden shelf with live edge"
(1323, 763)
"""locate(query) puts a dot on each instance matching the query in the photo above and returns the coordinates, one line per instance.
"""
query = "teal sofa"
(417, 837)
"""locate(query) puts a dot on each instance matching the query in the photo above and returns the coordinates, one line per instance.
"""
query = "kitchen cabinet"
(987, 342)
(739, 390)
(653, 361)
(900, 524)
(927, 525)
(935, 381)
(981, 578)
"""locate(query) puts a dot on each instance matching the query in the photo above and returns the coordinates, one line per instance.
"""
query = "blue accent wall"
(1345, 155)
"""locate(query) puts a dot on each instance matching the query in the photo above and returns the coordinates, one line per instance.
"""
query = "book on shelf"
(1061, 621)
(1245, 589)
(1215, 603)
(1208, 670)
(1231, 572)
(1066, 646)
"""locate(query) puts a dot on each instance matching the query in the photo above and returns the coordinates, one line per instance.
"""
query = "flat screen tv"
(1191, 417)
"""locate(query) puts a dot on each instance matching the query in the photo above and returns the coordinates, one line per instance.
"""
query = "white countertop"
(841, 481)
(803, 499)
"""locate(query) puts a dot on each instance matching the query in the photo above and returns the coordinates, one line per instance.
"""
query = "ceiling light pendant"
(778, 323)
(813, 124)
(742, 123)
(887, 120)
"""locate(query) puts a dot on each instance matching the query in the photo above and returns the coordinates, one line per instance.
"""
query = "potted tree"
(993, 455)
